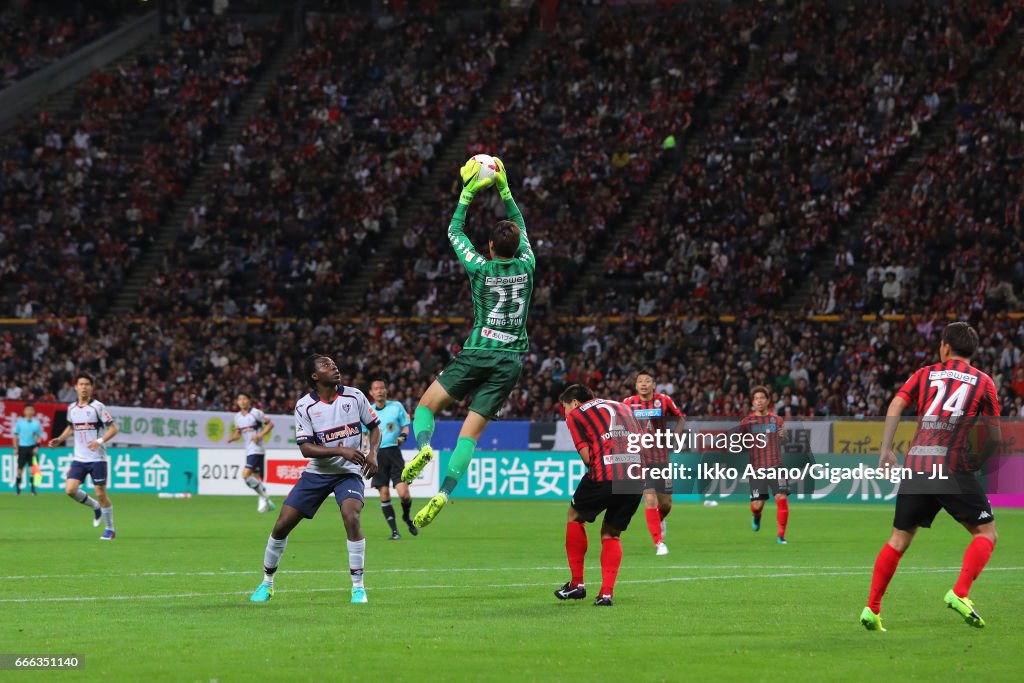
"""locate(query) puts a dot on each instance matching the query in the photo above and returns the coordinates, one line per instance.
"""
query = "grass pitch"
(471, 597)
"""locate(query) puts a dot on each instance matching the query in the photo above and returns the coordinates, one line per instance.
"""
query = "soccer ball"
(488, 167)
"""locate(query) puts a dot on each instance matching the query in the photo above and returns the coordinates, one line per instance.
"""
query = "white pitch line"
(667, 579)
(428, 570)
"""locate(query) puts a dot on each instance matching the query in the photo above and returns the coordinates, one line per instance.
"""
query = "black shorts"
(594, 497)
(963, 497)
(390, 464)
(25, 454)
(663, 486)
(759, 488)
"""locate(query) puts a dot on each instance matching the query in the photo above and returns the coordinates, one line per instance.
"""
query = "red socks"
(885, 566)
(782, 515)
(576, 550)
(754, 511)
(611, 558)
(975, 560)
(654, 524)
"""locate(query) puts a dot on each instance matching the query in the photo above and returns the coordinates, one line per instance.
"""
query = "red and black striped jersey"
(948, 398)
(770, 425)
(603, 427)
(654, 416)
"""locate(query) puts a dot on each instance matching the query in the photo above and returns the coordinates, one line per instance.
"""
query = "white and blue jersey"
(28, 431)
(334, 425)
(392, 418)
(89, 422)
(249, 425)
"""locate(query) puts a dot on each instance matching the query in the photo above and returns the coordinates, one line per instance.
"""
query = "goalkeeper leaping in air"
(489, 364)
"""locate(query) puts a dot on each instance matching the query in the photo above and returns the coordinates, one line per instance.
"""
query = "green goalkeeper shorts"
(489, 375)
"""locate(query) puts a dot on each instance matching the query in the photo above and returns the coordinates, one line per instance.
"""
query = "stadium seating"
(321, 169)
(83, 193)
(32, 39)
(825, 369)
(950, 237)
(345, 134)
(582, 127)
(843, 92)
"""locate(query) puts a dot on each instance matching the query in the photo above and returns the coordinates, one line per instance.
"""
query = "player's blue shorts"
(96, 470)
(255, 462)
(312, 490)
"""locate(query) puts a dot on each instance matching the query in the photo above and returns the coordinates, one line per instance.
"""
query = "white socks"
(85, 499)
(272, 557)
(108, 517)
(256, 485)
(356, 557)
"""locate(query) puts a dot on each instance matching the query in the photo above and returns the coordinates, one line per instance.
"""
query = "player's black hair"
(505, 239)
(962, 339)
(576, 392)
(379, 378)
(28, 405)
(309, 367)
(82, 374)
(645, 371)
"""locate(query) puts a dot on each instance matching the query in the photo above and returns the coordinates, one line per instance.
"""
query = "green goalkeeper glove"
(471, 182)
(501, 180)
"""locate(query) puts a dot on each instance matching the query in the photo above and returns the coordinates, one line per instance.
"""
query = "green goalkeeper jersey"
(502, 289)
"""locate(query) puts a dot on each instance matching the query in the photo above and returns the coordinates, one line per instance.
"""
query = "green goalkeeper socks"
(423, 426)
(461, 456)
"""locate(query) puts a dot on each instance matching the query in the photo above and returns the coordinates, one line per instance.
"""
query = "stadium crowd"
(83, 192)
(708, 367)
(33, 37)
(347, 132)
(950, 237)
(321, 169)
(843, 92)
(583, 126)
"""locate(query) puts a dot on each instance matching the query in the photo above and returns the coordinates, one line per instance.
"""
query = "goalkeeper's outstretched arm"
(525, 251)
(467, 254)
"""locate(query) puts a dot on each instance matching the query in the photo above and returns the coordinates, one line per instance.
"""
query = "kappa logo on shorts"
(984, 515)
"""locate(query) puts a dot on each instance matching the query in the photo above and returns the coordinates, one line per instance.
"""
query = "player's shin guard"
(108, 517)
(654, 524)
(256, 485)
(885, 566)
(576, 550)
(272, 558)
(85, 499)
(754, 510)
(389, 515)
(611, 558)
(975, 559)
(782, 515)
(461, 456)
(356, 560)
(423, 426)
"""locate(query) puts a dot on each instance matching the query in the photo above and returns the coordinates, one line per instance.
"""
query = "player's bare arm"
(585, 454)
(370, 467)
(111, 433)
(312, 450)
(892, 421)
(233, 435)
